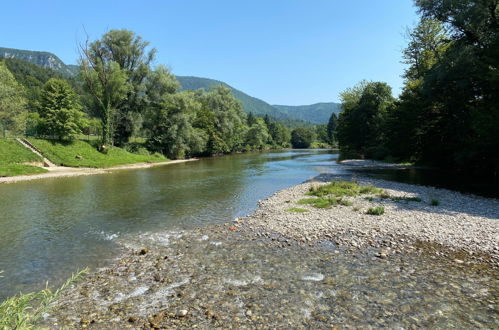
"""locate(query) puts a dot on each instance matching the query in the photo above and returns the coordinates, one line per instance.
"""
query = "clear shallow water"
(50, 228)
(236, 280)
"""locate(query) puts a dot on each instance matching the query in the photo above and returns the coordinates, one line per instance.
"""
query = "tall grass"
(24, 310)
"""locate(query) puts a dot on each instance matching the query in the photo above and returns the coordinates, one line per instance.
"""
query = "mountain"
(250, 103)
(294, 116)
(317, 113)
(44, 59)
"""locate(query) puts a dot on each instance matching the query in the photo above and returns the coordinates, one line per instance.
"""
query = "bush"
(435, 202)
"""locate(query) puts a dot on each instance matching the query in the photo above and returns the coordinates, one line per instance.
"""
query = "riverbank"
(62, 171)
(412, 213)
(417, 265)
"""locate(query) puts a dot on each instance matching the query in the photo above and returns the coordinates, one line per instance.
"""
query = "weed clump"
(341, 189)
(378, 210)
(434, 202)
(297, 210)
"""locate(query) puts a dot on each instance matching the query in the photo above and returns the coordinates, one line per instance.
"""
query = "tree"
(60, 110)
(331, 128)
(12, 103)
(455, 97)
(257, 135)
(360, 125)
(114, 69)
(302, 138)
(280, 134)
(223, 119)
(170, 126)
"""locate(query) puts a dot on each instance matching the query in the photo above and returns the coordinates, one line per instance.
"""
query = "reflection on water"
(52, 227)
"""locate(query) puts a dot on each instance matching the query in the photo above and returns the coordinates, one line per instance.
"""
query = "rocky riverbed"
(412, 213)
(324, 268)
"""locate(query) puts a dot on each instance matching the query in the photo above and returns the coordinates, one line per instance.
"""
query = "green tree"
(360, 124)
(170, 126)
(331, 128)
(60, 110)
(257, 135)
(280, 134)
(458, 93)
(223, 120)
(12, 103)
(114, 69)
(302, 137)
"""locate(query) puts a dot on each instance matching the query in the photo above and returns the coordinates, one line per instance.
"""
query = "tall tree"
(360, 124)
(12, 103)
(331, 128)
(225, 120)
(257, 135)
(170, 126)
(60, 110)
(302, 137)
(115, 68)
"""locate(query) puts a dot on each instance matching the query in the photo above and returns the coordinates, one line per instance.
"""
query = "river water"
(52, 227)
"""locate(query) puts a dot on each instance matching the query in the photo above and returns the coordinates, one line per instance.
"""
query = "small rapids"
(183, 279)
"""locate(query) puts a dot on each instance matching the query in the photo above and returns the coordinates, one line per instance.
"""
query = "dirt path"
(61, 171)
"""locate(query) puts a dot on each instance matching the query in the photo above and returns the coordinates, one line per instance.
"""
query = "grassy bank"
(12, 157)
(83, 154)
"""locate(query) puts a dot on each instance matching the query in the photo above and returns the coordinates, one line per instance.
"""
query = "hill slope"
(250, 104)
(317, 113)
(295, 115)
(44, 59)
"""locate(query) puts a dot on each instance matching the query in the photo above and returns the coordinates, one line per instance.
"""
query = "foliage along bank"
(118, 95)
(448, 112)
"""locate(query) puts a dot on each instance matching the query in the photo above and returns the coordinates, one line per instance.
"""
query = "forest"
(118, 98)
(447, 115)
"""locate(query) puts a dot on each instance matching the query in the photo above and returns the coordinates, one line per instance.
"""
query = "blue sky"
(284, 52)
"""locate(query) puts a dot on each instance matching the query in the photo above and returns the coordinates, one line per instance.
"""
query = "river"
(53, 227)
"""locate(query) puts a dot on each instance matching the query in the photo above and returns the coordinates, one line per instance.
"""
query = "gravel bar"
(459, 221)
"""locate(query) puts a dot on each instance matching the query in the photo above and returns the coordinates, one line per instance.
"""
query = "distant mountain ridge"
(318, 113)
(250, 103)
(44, 59)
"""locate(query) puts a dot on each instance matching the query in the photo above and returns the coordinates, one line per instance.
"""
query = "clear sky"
(284, 52)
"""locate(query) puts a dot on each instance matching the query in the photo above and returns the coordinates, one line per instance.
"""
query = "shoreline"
(460, 222)
(229, 275)
(63, 172)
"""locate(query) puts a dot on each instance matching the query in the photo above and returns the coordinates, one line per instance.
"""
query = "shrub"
(434, 202)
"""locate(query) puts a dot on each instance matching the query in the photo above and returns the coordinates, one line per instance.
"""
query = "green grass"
(24, 310)
(324, 202)
(385, 195)
(342, 188)
(12, 157)
(378, 210)
(297, 210)
(83, 154)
